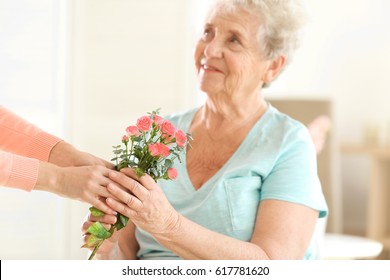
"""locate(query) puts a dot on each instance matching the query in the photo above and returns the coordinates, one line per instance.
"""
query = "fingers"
(145, 180)
(125, 209)
(129, 183)
(106, 220)
(95, 190)
(101, 205)
(125, 198)
(109, 165)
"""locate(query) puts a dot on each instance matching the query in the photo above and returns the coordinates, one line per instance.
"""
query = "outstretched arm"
(34, 159)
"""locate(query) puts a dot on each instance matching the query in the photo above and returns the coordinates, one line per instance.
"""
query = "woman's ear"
(274, 69)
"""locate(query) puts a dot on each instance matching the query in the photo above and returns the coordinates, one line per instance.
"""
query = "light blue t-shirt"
(277, 160)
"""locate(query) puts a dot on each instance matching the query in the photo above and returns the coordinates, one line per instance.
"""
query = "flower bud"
(172, 173)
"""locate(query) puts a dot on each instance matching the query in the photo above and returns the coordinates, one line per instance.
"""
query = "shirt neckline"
(188, 183)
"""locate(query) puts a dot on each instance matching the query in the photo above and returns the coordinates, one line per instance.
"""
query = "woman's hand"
(106, 220)
(88, 184)
(144, 202)
(84, 183)
(79, 175)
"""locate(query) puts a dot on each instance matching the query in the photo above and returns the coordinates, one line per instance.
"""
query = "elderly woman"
(248, 187)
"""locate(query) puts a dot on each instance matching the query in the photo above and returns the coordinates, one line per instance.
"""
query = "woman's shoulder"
(281, 125)
(278, 132)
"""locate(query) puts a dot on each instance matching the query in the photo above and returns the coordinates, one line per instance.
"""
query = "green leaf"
(168, 163)
(155, 112)
(139, 172)
(121, 165)
(122, 221)
(137, 151)
(92, 241)
(137, 148)
(153, 171)
(96, 212)
(99, 231)
(117, 152)
(118, 225)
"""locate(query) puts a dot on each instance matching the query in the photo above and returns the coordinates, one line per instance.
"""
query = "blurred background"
(86, 69)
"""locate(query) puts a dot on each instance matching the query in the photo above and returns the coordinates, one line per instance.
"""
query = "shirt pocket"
(243, 195)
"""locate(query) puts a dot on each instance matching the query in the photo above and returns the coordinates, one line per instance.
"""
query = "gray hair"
(281, 23)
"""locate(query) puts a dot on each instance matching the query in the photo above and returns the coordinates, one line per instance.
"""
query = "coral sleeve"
(18, 171)
(22, 146)
(20, 137)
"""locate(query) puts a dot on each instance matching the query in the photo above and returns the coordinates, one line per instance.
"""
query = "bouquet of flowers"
(149, 147)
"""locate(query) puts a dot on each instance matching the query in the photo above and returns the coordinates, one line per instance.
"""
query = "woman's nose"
(214, 49)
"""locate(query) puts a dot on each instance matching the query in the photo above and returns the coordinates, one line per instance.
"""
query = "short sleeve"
(294, 176)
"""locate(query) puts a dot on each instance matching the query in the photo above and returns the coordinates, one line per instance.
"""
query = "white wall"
(129, 57)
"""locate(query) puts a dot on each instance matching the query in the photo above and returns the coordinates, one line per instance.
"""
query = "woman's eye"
(207, 33)
(234, 40)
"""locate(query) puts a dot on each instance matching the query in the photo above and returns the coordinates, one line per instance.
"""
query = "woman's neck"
(215, 115)
(219, 121)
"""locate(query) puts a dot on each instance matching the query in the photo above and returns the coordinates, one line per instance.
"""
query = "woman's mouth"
(210, 68)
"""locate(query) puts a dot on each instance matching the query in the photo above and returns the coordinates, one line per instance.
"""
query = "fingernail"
(112, 174)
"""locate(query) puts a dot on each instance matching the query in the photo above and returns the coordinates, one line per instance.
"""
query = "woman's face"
(228, 56)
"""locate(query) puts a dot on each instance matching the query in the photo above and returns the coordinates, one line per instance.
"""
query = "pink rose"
(125, 139)
(144, 123)
(153, 149)
(167, 138)
(181, 138)
(158, 119)
(132, 130)
(168, 128)
(172, 173)
(159, 149)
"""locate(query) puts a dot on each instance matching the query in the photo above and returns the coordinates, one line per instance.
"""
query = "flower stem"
(95, 250)
(112, 229)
